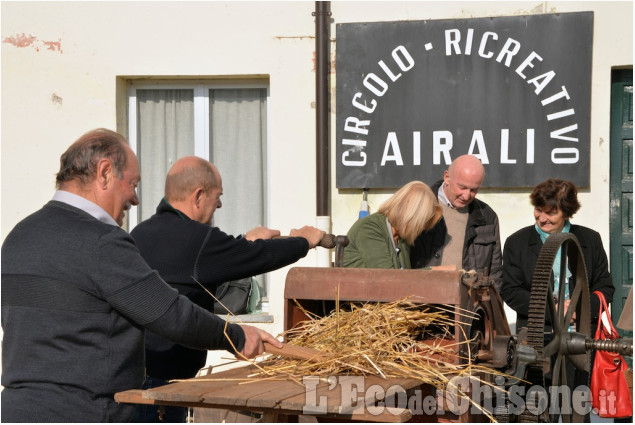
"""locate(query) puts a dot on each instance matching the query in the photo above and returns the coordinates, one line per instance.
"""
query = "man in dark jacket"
(468, 234)
(180, 243)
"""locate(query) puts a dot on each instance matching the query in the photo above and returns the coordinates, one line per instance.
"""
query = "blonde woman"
(383, 239)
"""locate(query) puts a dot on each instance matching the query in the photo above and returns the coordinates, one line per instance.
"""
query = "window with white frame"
(221, 121)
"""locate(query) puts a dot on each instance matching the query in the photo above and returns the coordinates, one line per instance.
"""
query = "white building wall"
(64, 65)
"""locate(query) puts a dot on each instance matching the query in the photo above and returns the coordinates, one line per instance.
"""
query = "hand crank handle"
(295, 352)
(329, 241)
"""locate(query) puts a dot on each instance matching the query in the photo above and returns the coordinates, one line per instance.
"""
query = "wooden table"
(235, 389)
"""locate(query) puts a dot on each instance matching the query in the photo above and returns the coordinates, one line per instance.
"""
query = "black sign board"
(514, 91)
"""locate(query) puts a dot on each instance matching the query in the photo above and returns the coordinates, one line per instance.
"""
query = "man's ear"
(198, 194)
(105, 172)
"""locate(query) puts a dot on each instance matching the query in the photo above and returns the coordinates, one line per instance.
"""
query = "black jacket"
(185, 251)
(519, 261)
(482, 246)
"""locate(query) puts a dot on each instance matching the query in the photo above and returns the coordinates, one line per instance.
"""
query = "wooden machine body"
(309, 288)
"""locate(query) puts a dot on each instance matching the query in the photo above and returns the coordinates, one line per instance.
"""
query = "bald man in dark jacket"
(180, 243)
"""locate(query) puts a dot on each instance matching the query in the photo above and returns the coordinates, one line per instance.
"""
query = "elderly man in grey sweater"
(77, 296)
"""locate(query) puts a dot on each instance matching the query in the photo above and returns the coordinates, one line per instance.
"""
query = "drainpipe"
(323, 221)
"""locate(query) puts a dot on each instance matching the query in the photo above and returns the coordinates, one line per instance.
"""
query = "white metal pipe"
(324, 256)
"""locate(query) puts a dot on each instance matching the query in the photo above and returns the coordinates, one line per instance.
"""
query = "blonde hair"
(412, 210)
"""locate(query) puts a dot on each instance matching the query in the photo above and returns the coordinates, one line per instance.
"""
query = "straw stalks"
(391, 340)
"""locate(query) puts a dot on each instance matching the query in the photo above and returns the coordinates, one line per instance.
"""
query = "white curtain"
(237, 148)
(165, 133)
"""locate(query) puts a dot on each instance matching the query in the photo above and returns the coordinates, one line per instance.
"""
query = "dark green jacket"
(370, 245)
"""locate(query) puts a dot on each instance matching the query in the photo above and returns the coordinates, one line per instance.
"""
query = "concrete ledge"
(248, 318)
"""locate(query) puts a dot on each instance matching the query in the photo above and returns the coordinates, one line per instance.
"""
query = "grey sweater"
(76, 297)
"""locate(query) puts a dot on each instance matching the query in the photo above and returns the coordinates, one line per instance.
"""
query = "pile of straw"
(383, 339)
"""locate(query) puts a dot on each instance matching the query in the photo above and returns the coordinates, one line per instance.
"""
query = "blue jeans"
(152, 413)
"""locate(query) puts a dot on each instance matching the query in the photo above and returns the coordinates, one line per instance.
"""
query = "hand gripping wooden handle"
(295, 352)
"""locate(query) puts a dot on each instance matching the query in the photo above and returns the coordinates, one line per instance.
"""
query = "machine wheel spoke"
(552, 347)
(557, 381)
(563, 272)
(553, 312)
(575, 297)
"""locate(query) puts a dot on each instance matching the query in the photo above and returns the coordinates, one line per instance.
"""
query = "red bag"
(609, 390)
